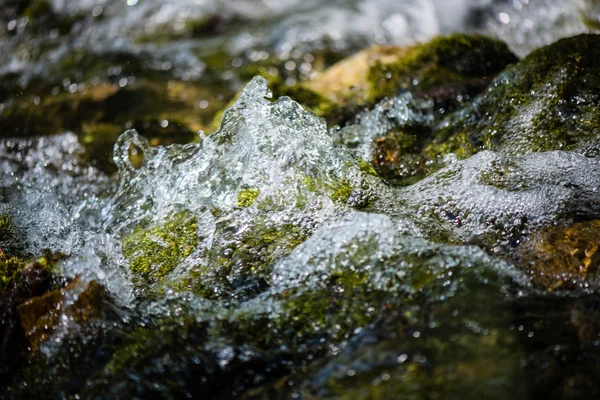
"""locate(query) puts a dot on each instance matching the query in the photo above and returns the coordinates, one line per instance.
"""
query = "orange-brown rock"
(79, 303)
(563, 257)
(441, 68)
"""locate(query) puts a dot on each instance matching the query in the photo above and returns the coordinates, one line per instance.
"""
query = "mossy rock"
(548, 101)
(153, 252)
(446, 68)
(449, 70)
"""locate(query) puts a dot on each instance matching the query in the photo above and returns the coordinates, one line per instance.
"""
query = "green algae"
(11, 268)
(154, 252)
(6, 228)
(246, 197)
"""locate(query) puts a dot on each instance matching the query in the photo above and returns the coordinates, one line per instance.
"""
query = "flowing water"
(412, 312)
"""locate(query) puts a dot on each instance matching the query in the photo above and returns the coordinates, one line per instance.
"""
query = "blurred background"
(166, 68)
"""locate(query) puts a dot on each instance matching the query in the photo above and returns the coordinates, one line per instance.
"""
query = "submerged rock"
(563, 257)
(78, 303)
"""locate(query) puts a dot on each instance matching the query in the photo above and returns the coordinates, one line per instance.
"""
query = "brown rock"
(441, 69)
(41, 315)
(563, 257)
(347, 81)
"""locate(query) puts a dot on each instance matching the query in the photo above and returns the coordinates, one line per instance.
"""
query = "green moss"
(342, 190)
(463, 60)
(246, 197)
(6, 228)
(154, 252)
(549, 101)
(366, 167)
(546, 102)
(10, 269)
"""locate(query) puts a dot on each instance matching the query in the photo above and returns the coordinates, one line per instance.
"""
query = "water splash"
(267, 225)
(395, 113)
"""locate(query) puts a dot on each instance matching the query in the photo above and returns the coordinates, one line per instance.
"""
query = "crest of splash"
(271, 146)
(275, 149)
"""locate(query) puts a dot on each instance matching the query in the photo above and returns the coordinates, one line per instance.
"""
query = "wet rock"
(546, 102)
(447, 70)
(79, 303)
(26, 281)
(165, 112)
(563, 257)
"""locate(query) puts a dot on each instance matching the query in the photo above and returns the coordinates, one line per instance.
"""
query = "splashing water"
(269, 225)
(271, 167)
(278, 231)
